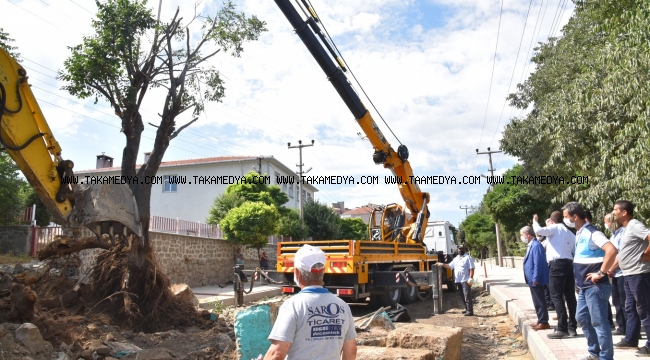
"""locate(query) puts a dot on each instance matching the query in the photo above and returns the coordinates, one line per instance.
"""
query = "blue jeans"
(637, 307)
(591, 314)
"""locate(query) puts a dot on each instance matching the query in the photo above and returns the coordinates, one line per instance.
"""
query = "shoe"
(573, 332)
(554, 317)
(468, 314)
(589, 357)
(618, 332)
(538, 327)
(624, 344)
(643, 351)
(464, 312)
(551, 308)
(558, 334)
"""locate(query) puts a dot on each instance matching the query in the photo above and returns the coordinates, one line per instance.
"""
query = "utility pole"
(300, 165)
(496, 223)
(467, 208)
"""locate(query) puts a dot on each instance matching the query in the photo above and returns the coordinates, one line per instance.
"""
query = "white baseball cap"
(308, 256)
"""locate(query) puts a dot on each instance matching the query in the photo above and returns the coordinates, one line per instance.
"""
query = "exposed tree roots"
(129, 285)
(65, 245)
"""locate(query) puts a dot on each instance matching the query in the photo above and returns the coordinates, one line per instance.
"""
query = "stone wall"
(196, 261)
(15, 239)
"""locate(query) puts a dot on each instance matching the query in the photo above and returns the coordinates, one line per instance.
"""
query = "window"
(290, 190)
(304, 196)
(169, 186)
(297, 191)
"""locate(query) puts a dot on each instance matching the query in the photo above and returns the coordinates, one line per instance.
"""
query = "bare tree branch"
(175, 133)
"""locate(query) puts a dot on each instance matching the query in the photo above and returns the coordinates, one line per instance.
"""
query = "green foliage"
(252, 189)
(251, 223)
(323, 223)
(43, 216)
(12, 201)
(511, 204)
(353, 229)
(590, 99)
(5, 44)
(479, 231)
(290, 225)
(222, 204)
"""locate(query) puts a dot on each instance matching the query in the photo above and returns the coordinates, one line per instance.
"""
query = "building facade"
(186, 189)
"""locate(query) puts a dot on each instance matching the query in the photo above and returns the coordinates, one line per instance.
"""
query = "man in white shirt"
(560, 244)
(463, 266)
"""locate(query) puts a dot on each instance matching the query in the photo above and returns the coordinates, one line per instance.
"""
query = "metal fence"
(46, 234)
(177, 226)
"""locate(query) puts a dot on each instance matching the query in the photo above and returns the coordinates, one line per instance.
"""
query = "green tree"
(43, 216)
(128, 53)
(5, 44)
(290, 225)
(223, 203)
(323, 223)
(251, 223)
(252, 188)
(511, 204)
(12, 202)
(480, 233)
(353, 229)
(590, 107)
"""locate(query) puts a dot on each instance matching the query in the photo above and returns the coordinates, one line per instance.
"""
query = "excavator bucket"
(106, 209)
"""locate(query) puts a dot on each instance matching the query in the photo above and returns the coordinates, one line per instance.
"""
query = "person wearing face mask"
(560, 243)
(618, 281)
(594, 256)
(463, 266)
(536, 275)
(634, 261)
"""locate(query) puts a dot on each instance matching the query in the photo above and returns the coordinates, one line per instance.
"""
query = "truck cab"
(440, 236)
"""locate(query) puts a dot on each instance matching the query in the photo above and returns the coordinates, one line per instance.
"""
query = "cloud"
(426, 65)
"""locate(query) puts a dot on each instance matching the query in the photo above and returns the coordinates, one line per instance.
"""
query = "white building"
(200, 182)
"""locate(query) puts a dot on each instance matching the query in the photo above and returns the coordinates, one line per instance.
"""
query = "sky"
(429, 67)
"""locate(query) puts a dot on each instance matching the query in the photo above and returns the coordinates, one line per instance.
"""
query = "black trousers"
(547, 297)
(618, 299)
(465, 293)
(539, 301)
(562, 286)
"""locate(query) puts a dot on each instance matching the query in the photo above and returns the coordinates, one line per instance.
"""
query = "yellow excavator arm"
(28, 139)
(394, 225)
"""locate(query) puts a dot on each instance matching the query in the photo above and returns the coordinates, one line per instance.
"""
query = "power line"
(513, 71)
(559, 4)
(34, 14)
(494, 61)
(88, 11)
(352, 73)
(496, 47)
(559, 18)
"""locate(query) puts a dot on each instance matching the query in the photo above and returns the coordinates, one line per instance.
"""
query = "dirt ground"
(75, 331)
(488, 335)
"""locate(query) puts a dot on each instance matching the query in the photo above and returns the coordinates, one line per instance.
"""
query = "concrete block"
(383, 353)
(443, 342)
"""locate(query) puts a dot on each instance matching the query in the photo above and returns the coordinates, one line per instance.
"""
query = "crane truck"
(109, 211)
(394, 265)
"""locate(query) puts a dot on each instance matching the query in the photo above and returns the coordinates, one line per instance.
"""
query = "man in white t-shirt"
(313, 324)
(634, 260)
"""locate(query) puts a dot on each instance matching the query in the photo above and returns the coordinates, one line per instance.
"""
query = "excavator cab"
(105, 209)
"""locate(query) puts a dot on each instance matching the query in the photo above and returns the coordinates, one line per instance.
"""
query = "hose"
(3, 108)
